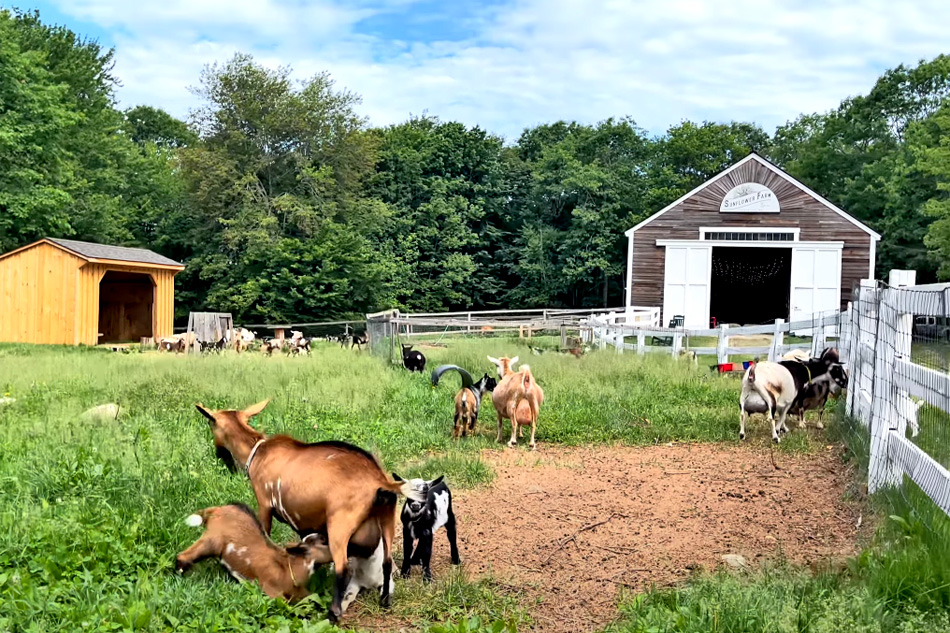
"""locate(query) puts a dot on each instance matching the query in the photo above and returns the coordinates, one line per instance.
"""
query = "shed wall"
(798, 210)
(38, 296)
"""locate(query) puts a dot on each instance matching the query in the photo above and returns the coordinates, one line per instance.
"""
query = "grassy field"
(91, 513)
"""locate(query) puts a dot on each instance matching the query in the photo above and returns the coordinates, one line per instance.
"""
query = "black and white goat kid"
(421, 520)
(413, 360)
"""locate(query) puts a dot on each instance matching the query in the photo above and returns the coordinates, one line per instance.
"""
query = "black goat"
(421, 520)
(413, 360)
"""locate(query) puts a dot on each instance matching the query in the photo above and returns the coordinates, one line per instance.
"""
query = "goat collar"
(290, 568)
(250, 458)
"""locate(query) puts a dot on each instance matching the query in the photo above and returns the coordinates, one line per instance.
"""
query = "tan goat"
(518, 397)
(235, 537)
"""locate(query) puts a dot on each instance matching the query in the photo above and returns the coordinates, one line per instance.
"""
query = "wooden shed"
(748, 246)
(57, 291)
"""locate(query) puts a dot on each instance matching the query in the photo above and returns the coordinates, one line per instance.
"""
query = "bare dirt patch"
(570, 527)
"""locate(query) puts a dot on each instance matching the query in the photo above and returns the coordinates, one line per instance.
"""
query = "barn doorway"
(125, 307)
(750, 286)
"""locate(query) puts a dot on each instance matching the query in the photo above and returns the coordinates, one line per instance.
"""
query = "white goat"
(767, 388)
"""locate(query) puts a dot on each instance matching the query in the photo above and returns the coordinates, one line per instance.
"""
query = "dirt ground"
(570, 527)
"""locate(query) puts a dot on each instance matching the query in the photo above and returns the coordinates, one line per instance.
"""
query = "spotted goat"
(421, 520)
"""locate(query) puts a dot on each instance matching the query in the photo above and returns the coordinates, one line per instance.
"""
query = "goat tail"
(399, 487)
(195, 520)
(751, 375)
(527, 378)
(467, 381)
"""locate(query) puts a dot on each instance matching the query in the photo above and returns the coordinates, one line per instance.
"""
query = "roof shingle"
(120, 253)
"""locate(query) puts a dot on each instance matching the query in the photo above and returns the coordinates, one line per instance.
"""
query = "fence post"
(563, 336)
(721, 353)
(778, 339)
(853, 358)
(881, 472)
(469, 328)
(677, 344)
(641, 342)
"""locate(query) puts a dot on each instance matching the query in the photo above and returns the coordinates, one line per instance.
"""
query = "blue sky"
(509, 64)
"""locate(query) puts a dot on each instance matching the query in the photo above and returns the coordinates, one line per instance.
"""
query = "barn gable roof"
(90, 251)
(755, 157)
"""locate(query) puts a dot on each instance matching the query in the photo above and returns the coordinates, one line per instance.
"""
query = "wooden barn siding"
(38, 296)
(798, 210)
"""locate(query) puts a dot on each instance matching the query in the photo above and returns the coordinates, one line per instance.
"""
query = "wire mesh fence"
(898, 349)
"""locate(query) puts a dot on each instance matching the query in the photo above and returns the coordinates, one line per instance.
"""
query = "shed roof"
(753, 156)
(91, 251)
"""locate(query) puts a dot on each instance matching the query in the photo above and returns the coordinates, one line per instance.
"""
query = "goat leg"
(406, 551)
(534, 424)
(450, 533)
(500, 423)
(821, 414)
(204, 547)
(425, 555)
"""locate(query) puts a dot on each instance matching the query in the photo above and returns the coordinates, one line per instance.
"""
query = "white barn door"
(816, 282)
(686, 285)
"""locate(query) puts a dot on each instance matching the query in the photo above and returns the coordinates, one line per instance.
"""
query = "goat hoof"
(534, 446)
(512, 444)
(741, 436)
(334, 614)
(181, 566)
(819, 426)
(405, 573)
(386, 601)
(776, 439)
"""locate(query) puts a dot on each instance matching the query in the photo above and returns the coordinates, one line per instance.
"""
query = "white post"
(881, 472)
(778, 338)
(469, 319)
(641, 342)
(723, 356)
(619, 340)
(677, 344)
(853, 359)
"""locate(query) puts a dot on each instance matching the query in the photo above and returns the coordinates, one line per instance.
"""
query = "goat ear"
(205, 412)
(514, 360)
(436, 482)
(254, 409)
(493, 361)
(397, 478)
(297, 549)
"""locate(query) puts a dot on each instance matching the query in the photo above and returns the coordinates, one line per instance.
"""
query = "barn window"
(750, 236)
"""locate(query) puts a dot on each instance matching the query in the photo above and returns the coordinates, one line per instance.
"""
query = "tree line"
(285, 204)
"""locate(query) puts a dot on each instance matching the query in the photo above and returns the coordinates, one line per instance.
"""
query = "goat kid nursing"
(790, 386)
(327, 487)
(468, 399)
(421, 520)
(518, 397)
(235, 537)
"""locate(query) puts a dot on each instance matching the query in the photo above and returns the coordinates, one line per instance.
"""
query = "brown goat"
(331, 486)
(237, 539)
(518, 397)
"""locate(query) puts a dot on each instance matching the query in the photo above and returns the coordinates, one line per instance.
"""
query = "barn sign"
(749, 197)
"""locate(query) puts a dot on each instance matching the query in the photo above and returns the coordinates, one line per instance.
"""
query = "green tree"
(277, 225)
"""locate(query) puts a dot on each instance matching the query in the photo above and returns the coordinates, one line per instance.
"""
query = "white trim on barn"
(745, 229)
(770, 166)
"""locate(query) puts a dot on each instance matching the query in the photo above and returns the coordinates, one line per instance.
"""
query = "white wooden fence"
(606, 332)
(888, 388)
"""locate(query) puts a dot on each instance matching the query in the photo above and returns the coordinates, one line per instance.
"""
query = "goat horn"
(466, 377)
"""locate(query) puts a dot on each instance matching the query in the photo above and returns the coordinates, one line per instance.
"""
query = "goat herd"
(243, 339)
(341, 503)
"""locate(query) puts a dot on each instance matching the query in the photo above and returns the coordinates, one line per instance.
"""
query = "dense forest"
(285, 204)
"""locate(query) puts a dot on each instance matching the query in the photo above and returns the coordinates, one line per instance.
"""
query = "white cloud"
(531, 61)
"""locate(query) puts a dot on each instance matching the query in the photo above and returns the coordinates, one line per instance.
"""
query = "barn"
(748, 246)
(57, 291)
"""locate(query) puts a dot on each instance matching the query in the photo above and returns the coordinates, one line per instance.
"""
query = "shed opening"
(750, 285)
(125, 306)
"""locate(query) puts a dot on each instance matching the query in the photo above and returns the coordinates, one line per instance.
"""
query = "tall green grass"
(900, 582)
(91, 512)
